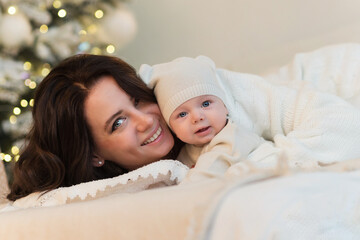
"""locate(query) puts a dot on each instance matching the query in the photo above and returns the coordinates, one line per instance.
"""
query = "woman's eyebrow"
(111, 118)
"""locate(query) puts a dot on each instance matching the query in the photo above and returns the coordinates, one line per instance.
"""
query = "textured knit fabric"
(157, 174)
(180, 80)
(333, 69)
(230, 146)
(311, 128)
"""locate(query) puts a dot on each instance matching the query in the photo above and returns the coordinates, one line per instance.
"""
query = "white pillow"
(157, 174)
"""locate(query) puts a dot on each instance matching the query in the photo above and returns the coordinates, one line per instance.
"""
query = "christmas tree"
(34, 36)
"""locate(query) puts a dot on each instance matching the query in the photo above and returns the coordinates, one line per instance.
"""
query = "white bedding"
(302, 206)
(333, 69)
(313, 205)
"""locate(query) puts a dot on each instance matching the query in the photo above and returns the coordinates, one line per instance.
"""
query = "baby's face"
(199, 119)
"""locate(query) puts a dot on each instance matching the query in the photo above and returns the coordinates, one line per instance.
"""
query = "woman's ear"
(98, 161)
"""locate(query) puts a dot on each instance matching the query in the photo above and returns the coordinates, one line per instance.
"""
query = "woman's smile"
(153, 137)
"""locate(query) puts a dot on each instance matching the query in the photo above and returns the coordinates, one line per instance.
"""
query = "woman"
(93, 118)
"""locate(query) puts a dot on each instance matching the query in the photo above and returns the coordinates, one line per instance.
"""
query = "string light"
(24, 103)
(110, 48)
(15, 150)
(7, 158)
(96, 51)
(32, 85)
(12, 10)
(31, 102)
(2, 156)
(44, 28)
(16, 110)
(27, 66)
(62, 13)
(12, 119)
(57, 4)
(16, 158)
(82, 32)
(84, 46)
(92, 28)
(99, 14)
(46, 69)
(27, 82)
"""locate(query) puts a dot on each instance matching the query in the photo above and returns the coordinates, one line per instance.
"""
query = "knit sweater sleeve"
(312, 128)
(230, 146)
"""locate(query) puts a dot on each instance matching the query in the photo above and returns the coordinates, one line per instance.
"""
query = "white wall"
(242, 35)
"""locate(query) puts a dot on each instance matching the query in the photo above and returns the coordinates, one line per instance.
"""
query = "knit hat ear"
(207, 60)
(145, 73)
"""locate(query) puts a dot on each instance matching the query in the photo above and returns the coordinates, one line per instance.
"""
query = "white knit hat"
(180, 80)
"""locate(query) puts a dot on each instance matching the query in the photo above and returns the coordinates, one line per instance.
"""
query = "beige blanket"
(161, 213)
(313, 205)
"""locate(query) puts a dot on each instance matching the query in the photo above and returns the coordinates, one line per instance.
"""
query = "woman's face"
(125, 131)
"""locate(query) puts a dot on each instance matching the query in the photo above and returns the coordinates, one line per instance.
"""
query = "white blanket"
(302, 206)
(333, 69)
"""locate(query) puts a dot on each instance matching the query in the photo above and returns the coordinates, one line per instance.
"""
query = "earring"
(100, 163)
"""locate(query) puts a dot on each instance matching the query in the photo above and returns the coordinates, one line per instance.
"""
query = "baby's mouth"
(202, 129)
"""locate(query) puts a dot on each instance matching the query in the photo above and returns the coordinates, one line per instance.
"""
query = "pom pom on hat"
(180, 80)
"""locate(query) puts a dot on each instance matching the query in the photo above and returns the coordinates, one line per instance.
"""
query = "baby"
(308, 128)
(194, 106)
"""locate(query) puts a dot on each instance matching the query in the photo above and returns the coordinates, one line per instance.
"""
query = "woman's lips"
(153, 137)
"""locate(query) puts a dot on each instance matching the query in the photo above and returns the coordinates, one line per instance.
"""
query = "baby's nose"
(197, 116)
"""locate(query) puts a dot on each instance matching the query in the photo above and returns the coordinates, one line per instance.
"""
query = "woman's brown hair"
(60, 148)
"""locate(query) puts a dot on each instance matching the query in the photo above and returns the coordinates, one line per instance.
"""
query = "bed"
(149, 203)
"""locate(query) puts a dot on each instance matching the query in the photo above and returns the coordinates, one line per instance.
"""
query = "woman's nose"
(144, 121)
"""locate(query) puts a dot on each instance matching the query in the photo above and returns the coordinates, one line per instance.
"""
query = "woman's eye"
(205, 104)
(118, 122)
(182, 114)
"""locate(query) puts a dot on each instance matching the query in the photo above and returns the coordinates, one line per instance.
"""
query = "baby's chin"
(200, 144)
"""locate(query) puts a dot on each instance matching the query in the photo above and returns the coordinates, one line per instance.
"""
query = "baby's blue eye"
(182, 114)
(205, 104)
(118, 122)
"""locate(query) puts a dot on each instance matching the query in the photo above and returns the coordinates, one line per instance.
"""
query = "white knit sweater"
(230, 147)
(311, 128)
